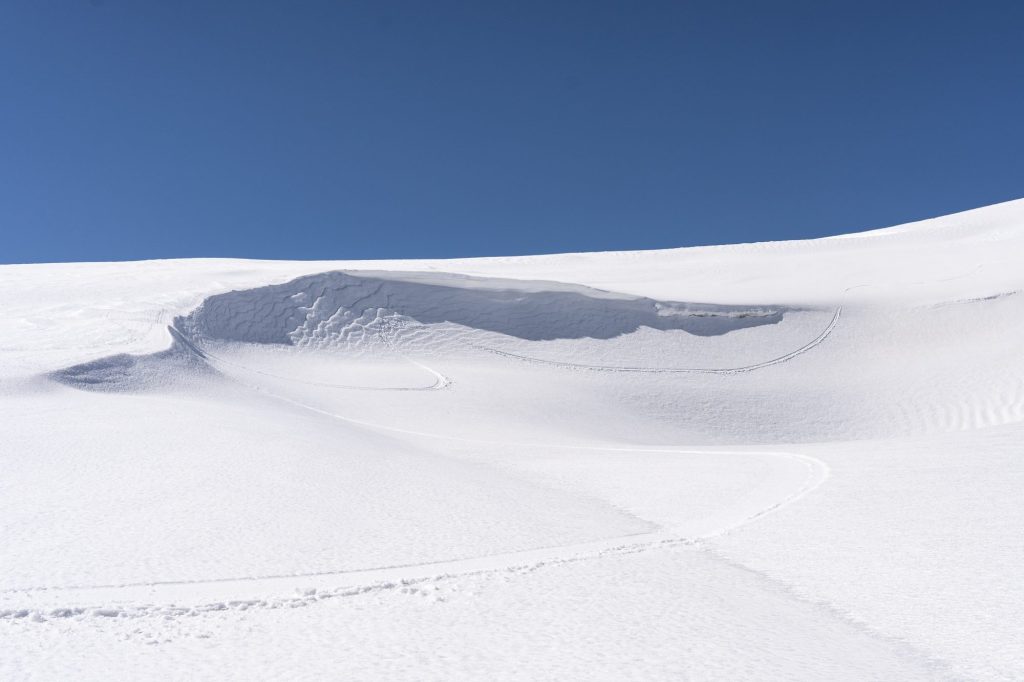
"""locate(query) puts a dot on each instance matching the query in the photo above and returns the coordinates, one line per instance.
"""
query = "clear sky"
(347, 129)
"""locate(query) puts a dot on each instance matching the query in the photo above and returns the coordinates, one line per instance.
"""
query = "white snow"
(791, 460)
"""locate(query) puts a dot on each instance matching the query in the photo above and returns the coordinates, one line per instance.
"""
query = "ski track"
(440, 380)
(402, 576)
(677, 370)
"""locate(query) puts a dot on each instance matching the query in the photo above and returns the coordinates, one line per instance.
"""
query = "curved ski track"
(136, 599)
(679, 370)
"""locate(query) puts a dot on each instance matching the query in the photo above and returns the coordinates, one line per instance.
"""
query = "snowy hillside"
(787, 460)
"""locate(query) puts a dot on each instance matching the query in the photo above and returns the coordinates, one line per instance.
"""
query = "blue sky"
(429, 129)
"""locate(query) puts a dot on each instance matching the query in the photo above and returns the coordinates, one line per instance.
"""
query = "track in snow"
(440, 380)
(678, 370)
(144, 599)
(132, 596)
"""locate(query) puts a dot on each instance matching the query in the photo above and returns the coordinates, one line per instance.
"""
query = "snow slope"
(792, 460)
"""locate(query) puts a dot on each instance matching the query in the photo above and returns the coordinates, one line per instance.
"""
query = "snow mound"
(379, 316)
(343, 308)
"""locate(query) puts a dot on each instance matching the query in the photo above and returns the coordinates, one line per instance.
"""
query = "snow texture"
(792, 460)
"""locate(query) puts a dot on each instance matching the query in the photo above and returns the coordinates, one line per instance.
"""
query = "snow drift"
(797, 460)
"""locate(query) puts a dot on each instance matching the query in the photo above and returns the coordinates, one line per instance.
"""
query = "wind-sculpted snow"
(384, 314)
(774, 374)
(341, 308)
(124, 372)
(769, 461)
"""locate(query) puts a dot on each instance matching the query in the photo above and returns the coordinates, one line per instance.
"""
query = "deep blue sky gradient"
(354, 129)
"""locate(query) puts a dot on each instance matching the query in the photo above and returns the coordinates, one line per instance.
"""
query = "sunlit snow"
(789, 460)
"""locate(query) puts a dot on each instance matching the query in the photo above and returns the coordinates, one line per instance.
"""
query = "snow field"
(771, 461)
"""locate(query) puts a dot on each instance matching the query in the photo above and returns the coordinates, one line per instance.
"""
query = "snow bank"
(339, 307)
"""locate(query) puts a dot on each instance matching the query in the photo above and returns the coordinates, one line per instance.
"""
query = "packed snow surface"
(793, 460)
